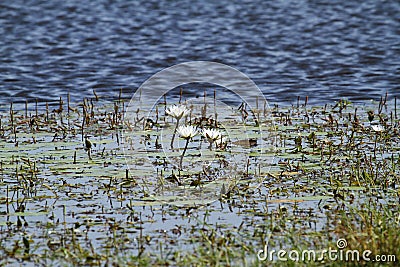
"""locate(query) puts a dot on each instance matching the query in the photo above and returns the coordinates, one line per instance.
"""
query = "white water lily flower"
(221, 141)
(177, 111)
(377, 128)
(187, 131)
(212, 134)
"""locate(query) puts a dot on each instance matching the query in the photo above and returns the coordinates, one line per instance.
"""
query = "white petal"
(377, 128)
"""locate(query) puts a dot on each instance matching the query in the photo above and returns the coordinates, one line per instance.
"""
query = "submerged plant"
(177, 112)
(186, 132)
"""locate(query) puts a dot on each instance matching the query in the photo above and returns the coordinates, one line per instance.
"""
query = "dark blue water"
(325, 49)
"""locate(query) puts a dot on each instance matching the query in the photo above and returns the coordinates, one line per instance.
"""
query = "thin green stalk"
(183, 153)
(173, 135)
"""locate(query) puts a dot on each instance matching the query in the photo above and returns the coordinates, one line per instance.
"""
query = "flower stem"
(173, 135)
(211, 142)
(183, 153)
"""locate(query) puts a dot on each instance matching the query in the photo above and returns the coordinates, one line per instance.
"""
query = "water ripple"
(324, 49)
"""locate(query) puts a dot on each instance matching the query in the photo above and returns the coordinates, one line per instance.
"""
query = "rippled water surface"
(324, 49)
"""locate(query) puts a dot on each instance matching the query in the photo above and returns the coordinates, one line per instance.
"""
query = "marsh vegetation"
(91, 184)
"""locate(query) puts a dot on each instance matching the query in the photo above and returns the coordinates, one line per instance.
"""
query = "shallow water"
(63, 199)
(322, 49)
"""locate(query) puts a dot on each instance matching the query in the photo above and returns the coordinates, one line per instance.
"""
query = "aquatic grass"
(380, 220)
